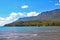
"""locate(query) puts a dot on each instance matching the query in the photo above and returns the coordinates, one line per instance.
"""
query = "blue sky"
(9, 8)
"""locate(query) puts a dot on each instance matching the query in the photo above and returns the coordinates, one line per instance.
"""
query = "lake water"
(29, 33)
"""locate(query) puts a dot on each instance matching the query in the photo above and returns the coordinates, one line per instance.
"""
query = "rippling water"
(29, 33)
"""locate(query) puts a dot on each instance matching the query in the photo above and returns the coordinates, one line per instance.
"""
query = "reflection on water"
(29, 33)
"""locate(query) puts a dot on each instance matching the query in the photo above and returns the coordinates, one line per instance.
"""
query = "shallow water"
(29, 33)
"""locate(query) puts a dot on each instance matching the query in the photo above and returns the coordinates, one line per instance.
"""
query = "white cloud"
(32, 14)
(57, 4)
(24, 6)
(1, 18)
(8, 19)
(28, 14)
(21, 14)
(12, 15)
(59, 0)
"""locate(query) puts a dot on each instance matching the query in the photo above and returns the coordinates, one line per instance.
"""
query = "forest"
(36, 23)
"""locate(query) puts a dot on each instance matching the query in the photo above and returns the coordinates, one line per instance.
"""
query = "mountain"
(48, 15)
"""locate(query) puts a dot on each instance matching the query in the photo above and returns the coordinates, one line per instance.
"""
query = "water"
(29, 33)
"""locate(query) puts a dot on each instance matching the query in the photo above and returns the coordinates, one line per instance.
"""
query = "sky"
(11, 10)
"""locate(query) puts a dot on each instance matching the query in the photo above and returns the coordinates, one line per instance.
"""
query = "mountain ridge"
(43, 16)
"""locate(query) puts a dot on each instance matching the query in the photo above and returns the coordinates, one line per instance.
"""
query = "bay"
(29, 33)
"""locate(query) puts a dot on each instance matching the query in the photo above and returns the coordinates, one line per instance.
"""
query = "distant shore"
(36, 23)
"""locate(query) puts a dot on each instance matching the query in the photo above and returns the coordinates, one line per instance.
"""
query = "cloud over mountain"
(8, 19)
(14, 16)
(32, 14)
